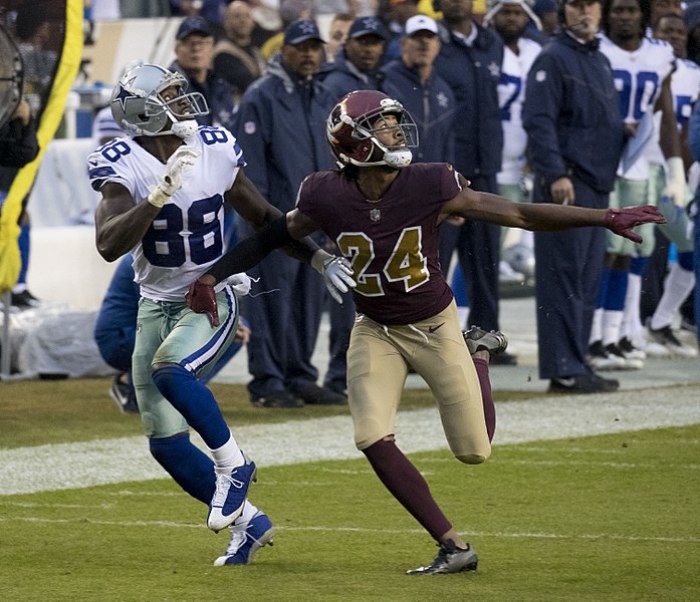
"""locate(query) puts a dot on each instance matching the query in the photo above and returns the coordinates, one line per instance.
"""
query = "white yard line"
(75, 465)
(364, 530)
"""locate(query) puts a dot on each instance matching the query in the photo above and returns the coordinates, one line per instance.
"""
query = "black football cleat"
(278, 399)
(312, 394)
(450, 559)
(583, 383)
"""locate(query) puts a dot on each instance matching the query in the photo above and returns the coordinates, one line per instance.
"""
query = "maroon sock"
(407, 485)
(482, 370)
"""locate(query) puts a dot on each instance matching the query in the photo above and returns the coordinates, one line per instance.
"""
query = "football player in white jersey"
(641, 68)
(163, 191)
(685, 88)
(509, 18)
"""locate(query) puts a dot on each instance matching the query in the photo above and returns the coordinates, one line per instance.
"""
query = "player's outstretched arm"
(245, 198)
(282, 232)
(549, 216)
(250, 204)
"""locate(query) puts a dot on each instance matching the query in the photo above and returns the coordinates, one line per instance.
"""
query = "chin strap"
(398, 159)
(184, 129)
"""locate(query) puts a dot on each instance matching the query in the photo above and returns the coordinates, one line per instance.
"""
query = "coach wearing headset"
(575, 134)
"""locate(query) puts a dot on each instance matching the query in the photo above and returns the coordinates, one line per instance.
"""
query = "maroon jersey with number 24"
(392, 243)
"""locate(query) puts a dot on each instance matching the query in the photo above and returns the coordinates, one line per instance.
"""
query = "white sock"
(677, 287)
(612, 323)
(597, 326)
(463, 315)
(249, 511)
(228, 456)
(631, 322)
(527, 239)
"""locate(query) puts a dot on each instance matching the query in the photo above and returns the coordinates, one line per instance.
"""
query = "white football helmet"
(138, 106)
(521, 258)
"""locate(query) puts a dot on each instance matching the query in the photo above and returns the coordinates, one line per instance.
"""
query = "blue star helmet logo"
(369, 23)
(308, 27)
(123, 96)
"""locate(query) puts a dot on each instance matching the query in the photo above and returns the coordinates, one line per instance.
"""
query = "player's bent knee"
(473, 454)
(472, 458)
(159, 365)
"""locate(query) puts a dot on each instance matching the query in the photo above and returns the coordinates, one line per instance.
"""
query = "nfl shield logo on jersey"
(375, 215)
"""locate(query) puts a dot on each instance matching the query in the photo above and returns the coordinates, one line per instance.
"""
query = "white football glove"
(675, 181)
(171, 181)
(336, 272)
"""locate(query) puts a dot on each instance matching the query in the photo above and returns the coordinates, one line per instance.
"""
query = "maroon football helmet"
(352, 133)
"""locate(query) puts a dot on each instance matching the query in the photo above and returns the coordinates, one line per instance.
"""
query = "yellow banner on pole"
(49, 120)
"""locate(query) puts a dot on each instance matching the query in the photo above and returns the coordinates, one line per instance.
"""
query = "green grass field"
(612, 517)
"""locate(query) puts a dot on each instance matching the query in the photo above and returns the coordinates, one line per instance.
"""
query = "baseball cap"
(492, 3)
(302, 30)
(367, 26)
(420, 23)
(192, 25)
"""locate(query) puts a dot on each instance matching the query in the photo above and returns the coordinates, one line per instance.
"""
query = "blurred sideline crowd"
(463, 69)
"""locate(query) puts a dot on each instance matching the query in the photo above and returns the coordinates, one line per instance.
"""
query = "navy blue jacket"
(281, 127)
(121, 301)
(344, 77)
(572, 114)
(694, 133)
(432, 106)
(473, 74)
(219, 95)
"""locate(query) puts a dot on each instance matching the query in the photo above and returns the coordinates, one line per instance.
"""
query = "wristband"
(157, 197)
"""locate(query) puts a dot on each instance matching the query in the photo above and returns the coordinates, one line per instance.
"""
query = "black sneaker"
(600, 358)
(314, 395)
(630, 363)
(24, 300)
(450, 559)
(630, 350)
(583, 383)
(278, 399)
(478, 339)
(124, 396)
(610, 384)
(666, 337)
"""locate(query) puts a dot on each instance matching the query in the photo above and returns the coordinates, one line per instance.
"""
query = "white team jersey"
(511, 95)
(186, 237)
(638, 79)
(685, 88)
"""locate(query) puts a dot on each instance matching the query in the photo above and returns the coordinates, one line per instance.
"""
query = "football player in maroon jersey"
(384, 214)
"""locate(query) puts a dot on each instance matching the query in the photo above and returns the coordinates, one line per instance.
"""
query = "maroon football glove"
(201, 299)
(622, 221)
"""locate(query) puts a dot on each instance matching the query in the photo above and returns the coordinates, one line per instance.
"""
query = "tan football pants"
(378, 361)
